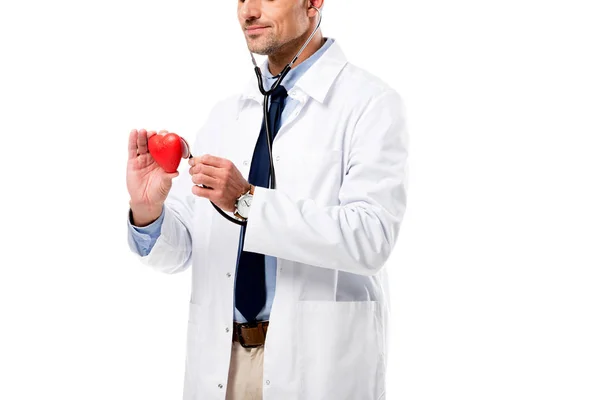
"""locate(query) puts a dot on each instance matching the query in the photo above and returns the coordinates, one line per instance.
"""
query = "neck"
(286, 53)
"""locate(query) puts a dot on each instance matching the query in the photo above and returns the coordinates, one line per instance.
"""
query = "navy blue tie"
(250, 287)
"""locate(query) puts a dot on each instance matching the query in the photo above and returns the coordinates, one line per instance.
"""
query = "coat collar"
(315, 82)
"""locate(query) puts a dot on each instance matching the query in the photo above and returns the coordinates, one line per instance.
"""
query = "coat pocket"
(340, 350)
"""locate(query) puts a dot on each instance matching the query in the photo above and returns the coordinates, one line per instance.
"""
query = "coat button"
(268, 382)
(228, 275)
(220, 386)
(277, 158)
(246, 162)
(227, 329)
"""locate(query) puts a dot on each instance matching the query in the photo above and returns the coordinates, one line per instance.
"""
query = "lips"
(256, 29)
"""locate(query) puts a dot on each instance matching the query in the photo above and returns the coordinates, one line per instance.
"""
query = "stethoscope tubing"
(268, 93)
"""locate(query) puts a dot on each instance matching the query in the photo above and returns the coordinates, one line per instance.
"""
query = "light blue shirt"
(145, 237)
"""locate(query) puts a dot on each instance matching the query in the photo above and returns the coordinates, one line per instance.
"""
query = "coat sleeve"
(172, 251)
(358, 235)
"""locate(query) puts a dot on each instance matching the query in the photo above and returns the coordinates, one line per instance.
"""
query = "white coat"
(340, 162)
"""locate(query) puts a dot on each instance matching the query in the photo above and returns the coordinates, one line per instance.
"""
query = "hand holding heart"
(224, 182)
(147, 182)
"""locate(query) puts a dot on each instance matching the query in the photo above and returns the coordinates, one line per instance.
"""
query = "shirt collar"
(315, 82)
(296, 73)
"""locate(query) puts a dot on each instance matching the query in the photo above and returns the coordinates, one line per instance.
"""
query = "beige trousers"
(245, 373)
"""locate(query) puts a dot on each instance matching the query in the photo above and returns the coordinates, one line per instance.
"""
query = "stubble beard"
(267, 46)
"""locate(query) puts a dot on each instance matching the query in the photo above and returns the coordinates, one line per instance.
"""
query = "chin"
(261, 52)
(262, 46)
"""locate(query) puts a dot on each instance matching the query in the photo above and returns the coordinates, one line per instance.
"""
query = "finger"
(195, 161)
(132, 148)
(142, 142)
(201, 179)
(163, 132)
(205, 169)
(212, 160)
(151, 133)
(202, 192)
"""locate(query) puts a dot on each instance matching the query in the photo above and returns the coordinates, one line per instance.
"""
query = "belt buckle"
(241, 338)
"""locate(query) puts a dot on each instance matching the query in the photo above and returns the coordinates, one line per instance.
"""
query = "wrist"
(144, 214)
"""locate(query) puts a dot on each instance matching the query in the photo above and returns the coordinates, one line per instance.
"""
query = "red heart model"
(167, 150)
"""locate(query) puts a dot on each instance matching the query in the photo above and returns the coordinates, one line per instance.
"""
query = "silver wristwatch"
(242, 205)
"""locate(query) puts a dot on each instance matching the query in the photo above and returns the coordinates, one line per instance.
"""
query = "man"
(294, 305)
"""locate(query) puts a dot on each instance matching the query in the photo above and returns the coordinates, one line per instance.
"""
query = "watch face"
(243, 205)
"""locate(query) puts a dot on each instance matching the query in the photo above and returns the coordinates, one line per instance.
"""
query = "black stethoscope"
(267, 93)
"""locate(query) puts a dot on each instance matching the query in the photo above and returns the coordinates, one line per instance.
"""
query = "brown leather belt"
(250, 334)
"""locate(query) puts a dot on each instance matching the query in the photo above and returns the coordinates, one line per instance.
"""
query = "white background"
(495, 276)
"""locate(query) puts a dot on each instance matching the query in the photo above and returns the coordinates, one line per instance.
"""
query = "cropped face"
(268, 25)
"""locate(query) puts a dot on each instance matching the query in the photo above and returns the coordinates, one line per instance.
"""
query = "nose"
(250, 9)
